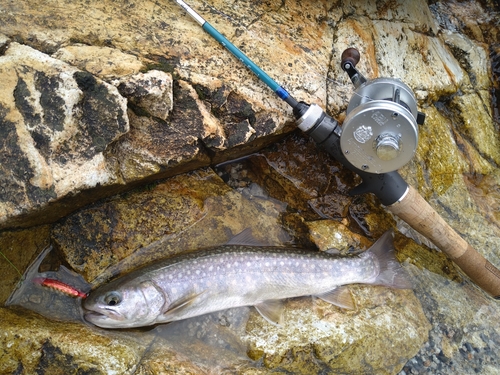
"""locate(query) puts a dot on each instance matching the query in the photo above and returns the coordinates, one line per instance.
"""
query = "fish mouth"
(103, 320)
(94, 315)
(97, 317)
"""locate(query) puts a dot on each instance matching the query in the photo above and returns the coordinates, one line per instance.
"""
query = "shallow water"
(212, 342)
(463, 334)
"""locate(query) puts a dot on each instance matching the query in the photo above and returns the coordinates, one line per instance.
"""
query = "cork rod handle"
(415, 210)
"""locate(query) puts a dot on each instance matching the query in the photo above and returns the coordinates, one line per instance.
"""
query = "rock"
(33, 344)
(154, 148)
(3, 43)
(17, 251)
(209, 108)
(463, 338)
(151, 91)
(103, 62)
(472, 57)
(476, 125)
(189, 104)
(56, 124)
(330, 235)
(396, 49)
(324, 192)
(321, 337)
(104, 241)
(174, 216)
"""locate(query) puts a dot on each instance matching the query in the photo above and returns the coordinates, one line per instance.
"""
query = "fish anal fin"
(340, 296)
(179, 306)
(271, 310)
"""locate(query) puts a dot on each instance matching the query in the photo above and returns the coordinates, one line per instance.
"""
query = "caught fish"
(238, 274)
(59, 286)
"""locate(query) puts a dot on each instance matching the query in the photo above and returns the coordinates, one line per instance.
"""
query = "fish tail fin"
(391, 274)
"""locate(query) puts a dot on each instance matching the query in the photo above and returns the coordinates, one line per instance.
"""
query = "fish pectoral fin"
(179, 305)
(271, 310)
(340, 296)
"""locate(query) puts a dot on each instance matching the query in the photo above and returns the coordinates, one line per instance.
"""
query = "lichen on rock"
(57, 128)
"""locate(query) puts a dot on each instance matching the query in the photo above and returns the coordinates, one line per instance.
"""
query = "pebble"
(468, 359)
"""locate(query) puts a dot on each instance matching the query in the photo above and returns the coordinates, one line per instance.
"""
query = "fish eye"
(112, 299)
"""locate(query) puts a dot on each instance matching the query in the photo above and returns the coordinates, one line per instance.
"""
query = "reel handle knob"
(350, 56)
(349, 59)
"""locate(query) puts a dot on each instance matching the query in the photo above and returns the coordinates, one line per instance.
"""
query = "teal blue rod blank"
(278, 90)
(242, 57)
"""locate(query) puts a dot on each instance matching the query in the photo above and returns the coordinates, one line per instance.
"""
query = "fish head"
(125, 305)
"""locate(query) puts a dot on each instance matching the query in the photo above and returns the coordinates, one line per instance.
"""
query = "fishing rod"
(263, 76)
(378, 136)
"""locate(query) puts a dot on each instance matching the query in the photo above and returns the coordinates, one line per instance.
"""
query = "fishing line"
(12, 264)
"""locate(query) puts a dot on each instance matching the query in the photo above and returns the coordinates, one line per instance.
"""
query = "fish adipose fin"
(391, 274)
(178, 306)
(272, 311)
(340, 296)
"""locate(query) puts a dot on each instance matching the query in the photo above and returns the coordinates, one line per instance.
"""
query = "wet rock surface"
(319, 335)
(32, 344)
(100, 104)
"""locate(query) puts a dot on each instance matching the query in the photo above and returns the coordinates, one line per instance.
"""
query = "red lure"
(59, 286)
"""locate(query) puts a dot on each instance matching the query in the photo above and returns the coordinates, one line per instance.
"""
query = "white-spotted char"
(238, 275)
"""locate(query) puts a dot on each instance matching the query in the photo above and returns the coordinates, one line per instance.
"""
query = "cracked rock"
(56, 123)
(151, 91)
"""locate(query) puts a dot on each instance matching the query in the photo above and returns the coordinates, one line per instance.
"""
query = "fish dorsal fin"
(340, 296)
(272, 311)
(245, 238)
(179, 306)
(332, 251)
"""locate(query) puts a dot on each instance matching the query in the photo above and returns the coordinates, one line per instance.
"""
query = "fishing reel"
(380, 131)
